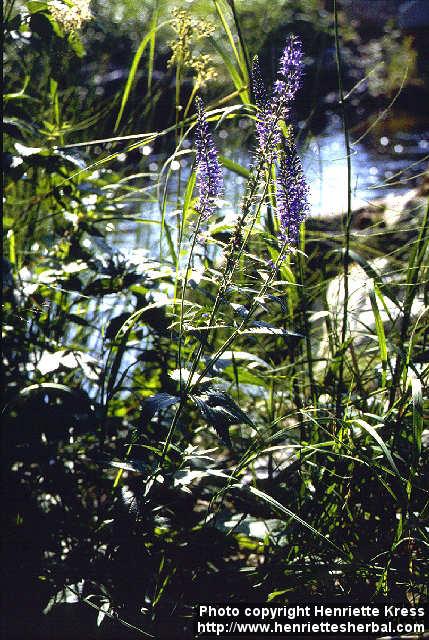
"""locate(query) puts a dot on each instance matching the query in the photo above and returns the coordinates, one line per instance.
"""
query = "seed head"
(70, 16)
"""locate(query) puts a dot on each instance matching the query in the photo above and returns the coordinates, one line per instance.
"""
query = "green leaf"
(234, 166)
(136, 466)
(156, 403)
(49, 386)
(76, 44)
(68, 595)
(220, 411)
(238, 81)
(239, 77)
(152, 46)
(103, 610)
(417, 395)
(148, 39)
(168, 235)
(373, 432)
(188, 195)
(379, 326)
(263, 328)
(36, 5)
(279, 507)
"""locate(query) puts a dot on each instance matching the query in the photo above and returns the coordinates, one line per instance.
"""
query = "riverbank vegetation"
(212, 391)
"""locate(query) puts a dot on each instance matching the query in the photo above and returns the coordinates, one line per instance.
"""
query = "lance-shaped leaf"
(220, 411)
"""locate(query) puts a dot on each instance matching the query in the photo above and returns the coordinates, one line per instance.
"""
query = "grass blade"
(373, 432)
(379, 327)
(148, 39)
(234, 166)
(417, 395)
(279, 507)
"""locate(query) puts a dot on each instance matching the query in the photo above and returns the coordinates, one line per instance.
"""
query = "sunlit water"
(392, 165)
(379, 166)
(388, 165)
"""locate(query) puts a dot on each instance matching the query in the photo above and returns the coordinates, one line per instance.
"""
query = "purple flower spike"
(291, 187)
(209, 174)
(292, 194)
(290, 72)
(284, 91)
(258, 87)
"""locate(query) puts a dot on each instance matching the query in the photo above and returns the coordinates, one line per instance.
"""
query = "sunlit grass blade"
(147, 40)
(234, 166)
(374, 434)
(237, 79)
(184, 218)
(417, 396)
(169, 237)
(152, 41)
(239, 54)
(379, 327)
(279, 507)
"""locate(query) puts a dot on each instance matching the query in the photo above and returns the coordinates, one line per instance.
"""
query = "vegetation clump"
(209, 389)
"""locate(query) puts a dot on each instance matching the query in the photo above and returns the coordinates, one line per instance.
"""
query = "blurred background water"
(385, 48)
(381, 165)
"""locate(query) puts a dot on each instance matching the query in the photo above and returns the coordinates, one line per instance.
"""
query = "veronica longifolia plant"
(209, 173)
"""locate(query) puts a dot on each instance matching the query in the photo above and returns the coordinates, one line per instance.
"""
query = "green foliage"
(178, 422)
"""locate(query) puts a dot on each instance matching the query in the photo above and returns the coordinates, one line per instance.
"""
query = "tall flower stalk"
(292, 203)
(274, 147)
(273, 110)
(210, 187)
(292, 190)
(209, 173)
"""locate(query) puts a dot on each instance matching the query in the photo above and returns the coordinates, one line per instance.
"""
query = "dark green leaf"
(155, 403)
(220, 411)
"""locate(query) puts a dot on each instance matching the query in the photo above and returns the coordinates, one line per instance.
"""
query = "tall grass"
(242, 429)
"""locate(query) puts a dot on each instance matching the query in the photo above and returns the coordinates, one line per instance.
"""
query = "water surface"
(380, 166)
